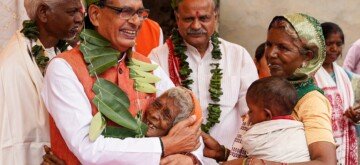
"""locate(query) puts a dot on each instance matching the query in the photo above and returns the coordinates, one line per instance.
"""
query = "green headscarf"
(309, 30)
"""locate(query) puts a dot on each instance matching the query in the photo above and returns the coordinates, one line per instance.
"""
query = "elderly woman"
(173, 106)
(295, 49)
(335, 83)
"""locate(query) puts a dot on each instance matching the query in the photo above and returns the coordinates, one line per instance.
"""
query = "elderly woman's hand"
(353, 114)
(183, 137)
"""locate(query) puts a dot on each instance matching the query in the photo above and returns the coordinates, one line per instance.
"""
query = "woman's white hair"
(183, 100)
(32, 5)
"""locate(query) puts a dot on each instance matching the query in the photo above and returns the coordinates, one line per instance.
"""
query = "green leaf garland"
(110, 100)
(215, 82)
(31, 31)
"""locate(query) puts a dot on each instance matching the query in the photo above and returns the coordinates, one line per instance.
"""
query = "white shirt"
(68, 104)
(239, 72)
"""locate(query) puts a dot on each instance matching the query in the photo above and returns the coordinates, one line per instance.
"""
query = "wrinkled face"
(196, 20)
(119, 31)
(65, 19)
(256, 112)
(282, 54)
(334, 46)
(160, 116)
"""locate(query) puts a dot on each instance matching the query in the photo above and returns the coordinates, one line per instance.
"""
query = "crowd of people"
(93, 82)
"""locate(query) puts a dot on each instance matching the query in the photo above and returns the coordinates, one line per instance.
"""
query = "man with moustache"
(24, 126)
(217, 71)
(69, 92)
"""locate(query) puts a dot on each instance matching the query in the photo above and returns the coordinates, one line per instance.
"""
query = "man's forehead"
(196, 8)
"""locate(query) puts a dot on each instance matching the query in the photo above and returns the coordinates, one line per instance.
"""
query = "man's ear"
(94, 15)
(268, 114)
(217, 14)
(42, 12)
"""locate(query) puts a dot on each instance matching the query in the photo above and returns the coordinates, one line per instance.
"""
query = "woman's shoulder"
(313, 102)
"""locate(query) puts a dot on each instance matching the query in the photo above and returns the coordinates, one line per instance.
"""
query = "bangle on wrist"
(162, 148)
(226, 153)
(222, 158)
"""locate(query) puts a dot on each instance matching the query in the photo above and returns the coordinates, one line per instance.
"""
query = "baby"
(273, 134)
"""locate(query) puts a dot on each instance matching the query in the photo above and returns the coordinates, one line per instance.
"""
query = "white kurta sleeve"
(66, 101)
(352, 58)
(198, 153)
(248, 74)
(165, 82)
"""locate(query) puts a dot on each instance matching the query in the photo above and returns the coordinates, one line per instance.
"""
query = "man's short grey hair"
(183, 100)
(31, 6)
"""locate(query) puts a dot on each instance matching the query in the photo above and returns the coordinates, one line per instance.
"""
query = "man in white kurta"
(67, 102)
(238, 69)
(24, 126)
(239, 72)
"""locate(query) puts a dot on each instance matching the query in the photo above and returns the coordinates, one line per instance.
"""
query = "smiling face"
(160, 116)
(196, 20)
(65, 19)
(120, 32)
(334, 45)
(281, 53)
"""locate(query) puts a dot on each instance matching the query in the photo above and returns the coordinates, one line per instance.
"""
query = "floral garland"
(215, 82)
(31, 31)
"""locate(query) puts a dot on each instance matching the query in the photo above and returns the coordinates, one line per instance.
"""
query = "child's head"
(269, 97)
(171, 107)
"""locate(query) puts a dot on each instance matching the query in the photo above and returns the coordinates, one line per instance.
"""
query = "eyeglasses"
(127, 13)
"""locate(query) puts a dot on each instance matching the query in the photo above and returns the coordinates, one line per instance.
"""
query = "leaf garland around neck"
(110, 100)
(215, 90)
(31, 31)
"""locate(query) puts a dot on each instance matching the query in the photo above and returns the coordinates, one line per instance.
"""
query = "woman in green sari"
(295, 49)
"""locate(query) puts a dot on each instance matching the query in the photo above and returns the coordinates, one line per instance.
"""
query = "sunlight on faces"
(120, 32)
(64, 20)
(196, 20)
(282, 54)
(334, 46)
(160, 116)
